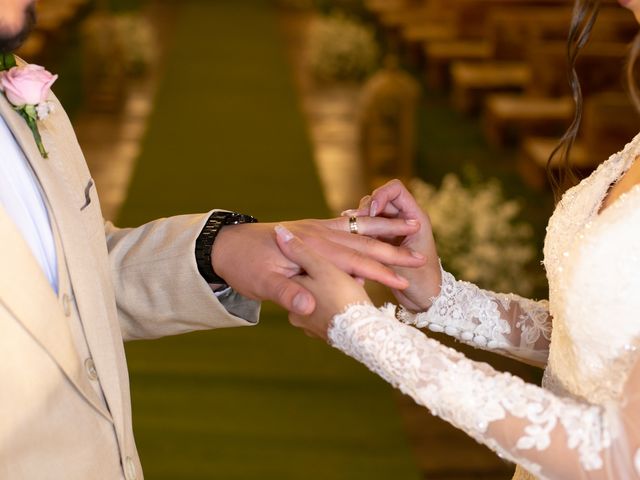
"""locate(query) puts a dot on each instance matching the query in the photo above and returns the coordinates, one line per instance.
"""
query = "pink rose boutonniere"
(27, 88)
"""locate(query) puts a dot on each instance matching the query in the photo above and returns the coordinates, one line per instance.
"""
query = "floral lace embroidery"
(477, 317)
(584, 352)
(468, 394)
(579, 420)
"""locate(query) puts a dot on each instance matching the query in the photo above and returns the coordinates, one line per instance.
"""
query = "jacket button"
(66, 305)
(130, 469)
(91, 369)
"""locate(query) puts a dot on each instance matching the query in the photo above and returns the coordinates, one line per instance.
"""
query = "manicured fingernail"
(373, 209)
(411, 221)
(349, 213)
(283, 233)
(417, 255)
(301, 303)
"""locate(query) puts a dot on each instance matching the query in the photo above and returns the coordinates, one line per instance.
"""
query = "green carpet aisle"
(251, 403)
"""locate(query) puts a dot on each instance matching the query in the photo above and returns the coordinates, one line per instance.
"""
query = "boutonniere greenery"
(27, 89)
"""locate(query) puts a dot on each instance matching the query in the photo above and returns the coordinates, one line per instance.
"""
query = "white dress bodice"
(592, 261)
(584, 422)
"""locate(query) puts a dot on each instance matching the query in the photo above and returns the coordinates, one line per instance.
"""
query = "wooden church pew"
(610, 121)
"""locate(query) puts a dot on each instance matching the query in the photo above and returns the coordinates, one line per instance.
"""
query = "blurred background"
(290, 109)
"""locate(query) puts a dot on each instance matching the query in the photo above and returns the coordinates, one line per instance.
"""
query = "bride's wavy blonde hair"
(585, 13)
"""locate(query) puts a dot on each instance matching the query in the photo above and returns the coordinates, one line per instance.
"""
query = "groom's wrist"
(206, 241)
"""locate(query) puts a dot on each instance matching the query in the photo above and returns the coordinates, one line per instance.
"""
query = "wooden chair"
(509, 117)
(509, 32)
(610, 121)
(472, 81)
(546, 107)
(403, 13)
(515, 32)
(435, 20)
(600, 68)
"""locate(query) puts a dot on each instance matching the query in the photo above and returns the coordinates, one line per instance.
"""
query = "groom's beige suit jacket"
(65, 409)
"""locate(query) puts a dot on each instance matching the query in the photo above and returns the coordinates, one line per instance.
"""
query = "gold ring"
(353, 225)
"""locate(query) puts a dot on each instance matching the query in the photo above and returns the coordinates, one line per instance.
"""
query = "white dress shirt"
(22, 199)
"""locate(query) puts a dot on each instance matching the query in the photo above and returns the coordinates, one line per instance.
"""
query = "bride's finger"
(394, 193)
(373, 205)
(388, 210)
(369, 258)
(296, 251)
(301, 323)
(346, 254)
(364, 202)
(387, 227)
(363, 206)
(376, 226)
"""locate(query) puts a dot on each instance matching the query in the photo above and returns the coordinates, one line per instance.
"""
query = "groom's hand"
(249, 259)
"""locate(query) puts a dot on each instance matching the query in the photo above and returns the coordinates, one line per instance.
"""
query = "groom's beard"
(9, 43)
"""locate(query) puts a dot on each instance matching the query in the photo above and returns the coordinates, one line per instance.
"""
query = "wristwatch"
(204, 242)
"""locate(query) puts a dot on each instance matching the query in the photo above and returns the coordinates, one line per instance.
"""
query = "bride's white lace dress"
(585, 420)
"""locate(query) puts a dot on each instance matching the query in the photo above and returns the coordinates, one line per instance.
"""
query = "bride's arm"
(504, 323)
(507, 324)
(551, 436)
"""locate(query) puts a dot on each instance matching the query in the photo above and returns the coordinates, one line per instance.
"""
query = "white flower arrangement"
(478, 234)
(341, 49)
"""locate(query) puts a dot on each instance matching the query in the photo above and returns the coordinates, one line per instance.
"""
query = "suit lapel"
(64, 194)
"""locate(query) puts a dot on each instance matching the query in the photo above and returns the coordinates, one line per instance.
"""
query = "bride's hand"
(393, 200)
(332, 288)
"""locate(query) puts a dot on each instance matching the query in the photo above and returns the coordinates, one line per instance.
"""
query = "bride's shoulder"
(618, 162)
(606, 173)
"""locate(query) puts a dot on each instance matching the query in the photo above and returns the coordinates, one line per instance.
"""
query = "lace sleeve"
(551, 436)
(505, 323)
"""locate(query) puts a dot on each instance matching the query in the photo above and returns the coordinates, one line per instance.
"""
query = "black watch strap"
(204, 242)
